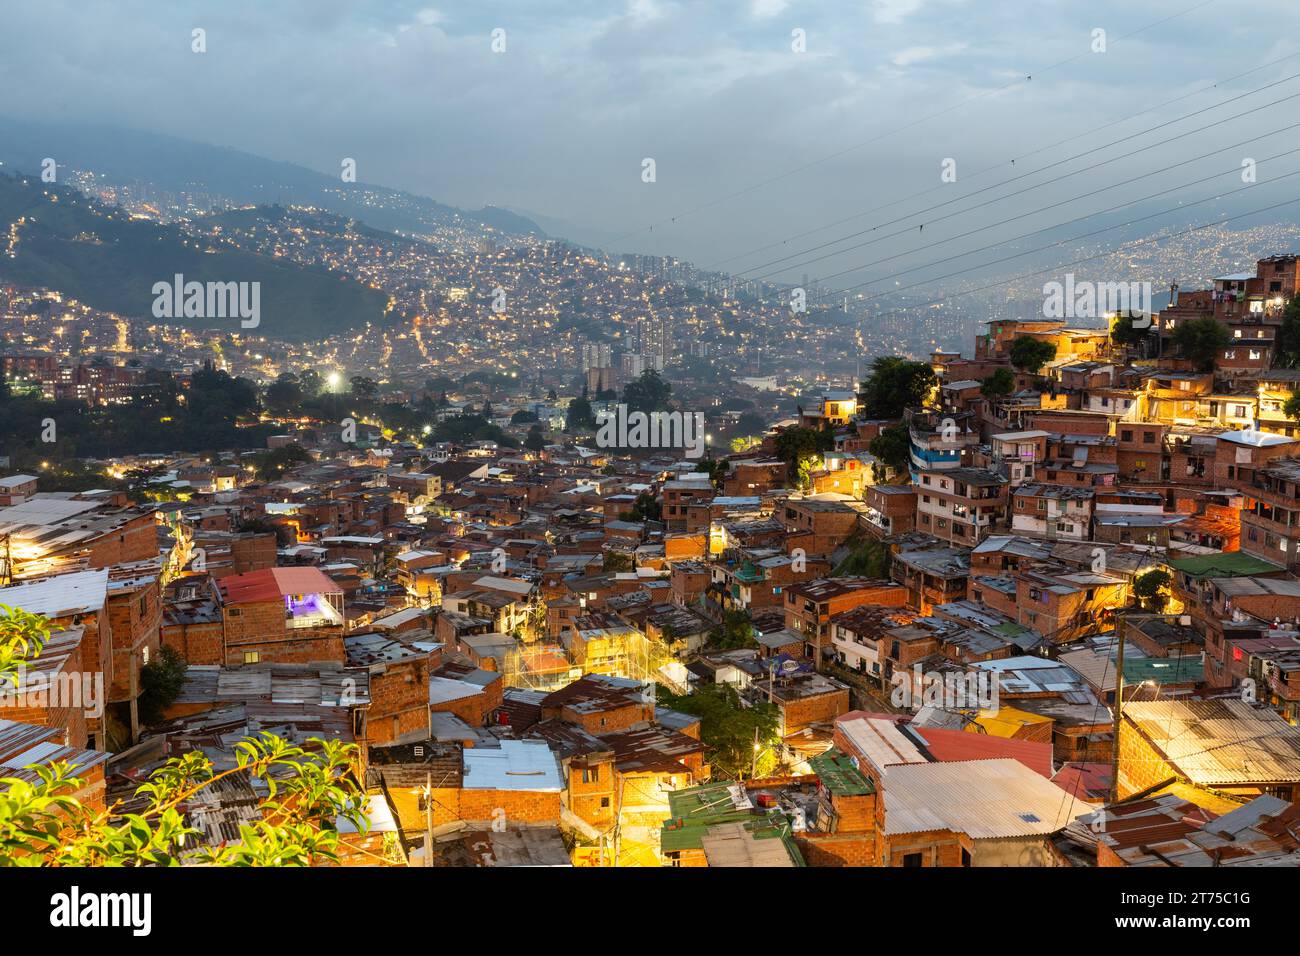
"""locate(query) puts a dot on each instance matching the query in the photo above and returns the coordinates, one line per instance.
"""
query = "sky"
(753, 141)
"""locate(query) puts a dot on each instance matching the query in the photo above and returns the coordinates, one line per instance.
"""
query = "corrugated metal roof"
(515, 765)
(985, 799)
(1218, 742)
(880, 741)
(76, 593)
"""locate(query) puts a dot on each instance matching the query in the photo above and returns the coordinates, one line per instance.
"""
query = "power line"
(969, 176)
(1099, 212)
(1080, 261)
(924, 119)
(1086, 235)
(1019, 192)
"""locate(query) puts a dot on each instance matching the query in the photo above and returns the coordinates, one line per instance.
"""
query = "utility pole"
(1119, 710)
(428, 818)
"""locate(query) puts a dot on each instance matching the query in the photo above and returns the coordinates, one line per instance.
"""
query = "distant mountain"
(53, 236)
(129, 156)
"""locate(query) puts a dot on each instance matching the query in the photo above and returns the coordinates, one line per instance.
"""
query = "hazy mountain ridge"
(57, 238)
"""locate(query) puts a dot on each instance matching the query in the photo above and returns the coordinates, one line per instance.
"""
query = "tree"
(1200, 340)
(272, 464)
(580, 416)
(309, 788)
(892, 447)
(1291, 409)
(870, 559)
(161, 682)
(617, 561)
(800, 448)
(522, 417)
(751, 423)
(728, 729)
(645, 508)
(1029, 354)
(735, 631)
(1124, 332)
(1152, 589)
(363, 387)
(535, 440)
(716, 469)
(649, 393)
(1288, 336)
(895, 384)
(1001, 382)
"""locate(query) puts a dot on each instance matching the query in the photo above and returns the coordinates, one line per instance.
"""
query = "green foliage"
(271, 465)
(1001, 382)
(800, 449)
(216, 412)
(1123, 332)
(895, 383)
(727, 727)
(161, 682)
(1152, 589)
(1029, 354)
(645, 508)
(308, 789)
(892, 447)
(617, 561)
(22, 635)
(535, 440)
(522, 417)
(1291, 408)
(870, 559)
(1288, 335)
(735, 631)
(1200, 340)
(648, 393)
(716, 469)
(580, 417)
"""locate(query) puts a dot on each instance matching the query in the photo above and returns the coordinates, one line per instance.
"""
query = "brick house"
(280, 615)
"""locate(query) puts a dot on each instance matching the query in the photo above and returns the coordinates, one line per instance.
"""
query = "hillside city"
(538, 596)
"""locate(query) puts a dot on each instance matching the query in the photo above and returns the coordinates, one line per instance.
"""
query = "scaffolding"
(623, 652)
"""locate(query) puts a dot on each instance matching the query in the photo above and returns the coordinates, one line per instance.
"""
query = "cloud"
(894, 11)
(919, 54)
(764, 9)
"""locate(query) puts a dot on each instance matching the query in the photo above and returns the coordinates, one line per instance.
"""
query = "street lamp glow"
(333, 379)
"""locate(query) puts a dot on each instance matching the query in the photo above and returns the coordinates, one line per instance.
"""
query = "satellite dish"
(789, 667)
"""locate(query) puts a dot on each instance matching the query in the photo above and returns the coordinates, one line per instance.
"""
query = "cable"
(1019, 192)
(1064, 202)
(969, 176)
(1085, 235)
(849, 149)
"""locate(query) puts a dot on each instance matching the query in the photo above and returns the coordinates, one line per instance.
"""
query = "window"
(912, 859)
(252, 657)
(604, 802)
(1126, 435)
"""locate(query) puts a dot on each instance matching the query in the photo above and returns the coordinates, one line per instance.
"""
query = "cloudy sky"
(752, 140)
